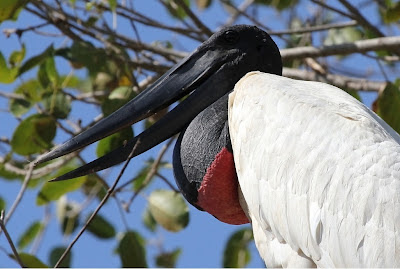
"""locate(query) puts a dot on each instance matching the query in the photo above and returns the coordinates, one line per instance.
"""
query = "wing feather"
(319, 172)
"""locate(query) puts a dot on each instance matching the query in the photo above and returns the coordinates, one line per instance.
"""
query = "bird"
(315, 172)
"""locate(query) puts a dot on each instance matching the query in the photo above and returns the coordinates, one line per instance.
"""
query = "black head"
(207, 74)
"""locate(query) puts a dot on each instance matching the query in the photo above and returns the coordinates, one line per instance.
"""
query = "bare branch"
(383, 43)
(135, 16)
(325, 5)
(3, 227)
(167, 182)
(21, 193)
(243, 13)
(360, 18)
(239, 11)
(194, 18)
(315, 28)
(9, 95)
(337, 80)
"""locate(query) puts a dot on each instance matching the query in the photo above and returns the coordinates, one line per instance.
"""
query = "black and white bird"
(315, 171)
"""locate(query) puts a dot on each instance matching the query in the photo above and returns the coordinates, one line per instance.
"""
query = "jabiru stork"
(315, 171)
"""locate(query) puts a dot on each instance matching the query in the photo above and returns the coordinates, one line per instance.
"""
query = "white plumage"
(319, 173)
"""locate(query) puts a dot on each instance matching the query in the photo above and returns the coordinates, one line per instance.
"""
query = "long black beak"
(192, 73)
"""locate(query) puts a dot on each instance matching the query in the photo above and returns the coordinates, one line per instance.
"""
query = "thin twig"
(360, 18)
(20, 31)
(10, 95)
(167, 182)
(239, 11)
(194, 18)
(103, 201)
(21, 193)
(325, 5)
(3, 227)
(243, 13)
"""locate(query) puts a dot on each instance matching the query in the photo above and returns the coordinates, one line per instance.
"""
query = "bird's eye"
(231, 37)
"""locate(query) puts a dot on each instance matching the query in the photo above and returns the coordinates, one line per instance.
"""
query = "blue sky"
(202, 241)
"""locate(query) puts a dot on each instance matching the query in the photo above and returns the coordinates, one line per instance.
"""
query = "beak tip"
(60, 178)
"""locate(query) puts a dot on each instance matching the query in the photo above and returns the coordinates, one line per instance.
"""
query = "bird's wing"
(319, 171)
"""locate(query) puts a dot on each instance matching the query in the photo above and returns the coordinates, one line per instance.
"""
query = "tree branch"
(194, 18)
(21, 193)
(340, 81)
(315, 28)
(383, 43)
(14, 250)
(360, 18)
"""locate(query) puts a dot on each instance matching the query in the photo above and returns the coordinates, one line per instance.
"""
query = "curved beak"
(192, 74)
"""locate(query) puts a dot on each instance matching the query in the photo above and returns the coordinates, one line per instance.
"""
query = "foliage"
(75, 59)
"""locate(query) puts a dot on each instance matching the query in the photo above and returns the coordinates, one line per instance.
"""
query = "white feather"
(319, 172)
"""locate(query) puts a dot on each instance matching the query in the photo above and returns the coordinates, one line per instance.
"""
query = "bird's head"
(203, 160)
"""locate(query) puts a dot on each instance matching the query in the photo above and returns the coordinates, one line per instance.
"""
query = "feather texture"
(319, 173)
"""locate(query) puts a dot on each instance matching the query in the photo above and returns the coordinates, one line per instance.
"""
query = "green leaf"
(112, 4)
(68, 215)
(7, 75)
(114, 141)
(85, 54)
(392, 14)
(176, 10)
(31, 90)
(353, 93)
(57, 104)
(42, 76)
(139, 179)
(388, 105)
(118, 97)
(19, 107)
(278, 4)
(9, 9)
(51, 191)
(55, 255)
(169, 209)
(90, 22)
(17, 56)
(131, 250)
(236, 253)
(343, 35)
(168, 259)
(29, 235)
(141, 176)
(284, 4)
(2, 204)
(72, 82)
(52, 71)
(31, 261)
(36, 60)
(92, 183)
(148, 220)
(33, 134)
(101, 228)
(47, 74)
